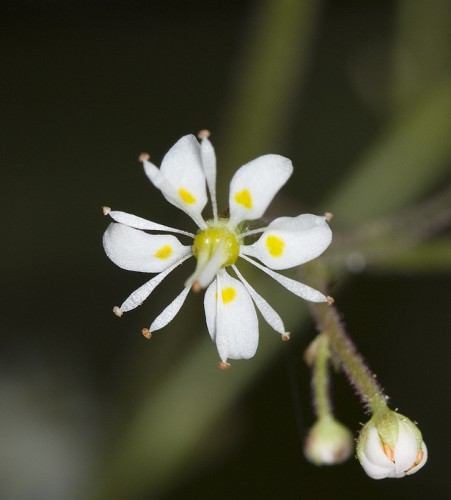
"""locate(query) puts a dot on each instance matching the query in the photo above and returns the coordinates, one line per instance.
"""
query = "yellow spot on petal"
(228, 295)
(275, 245)
(244, 198)
(186, 196)
(164, 252)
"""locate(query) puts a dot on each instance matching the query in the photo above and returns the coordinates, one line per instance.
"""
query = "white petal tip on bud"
(106, 210)
(146, 333)
(328, 216)
(418, 460)
(143, 157)
(203, 134)
(223, 365)
(117, 311)
(286, 336)
(330, 300)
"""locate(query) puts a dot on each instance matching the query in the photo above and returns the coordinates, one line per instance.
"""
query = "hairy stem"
(320, 377)
(350, 360)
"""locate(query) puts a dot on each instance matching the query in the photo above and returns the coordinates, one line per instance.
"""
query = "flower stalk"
(320, 376)
(350, 360)
(328, 442)
(344, 351)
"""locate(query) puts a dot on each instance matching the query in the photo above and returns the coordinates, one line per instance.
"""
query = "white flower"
(328, 442)
(391, 445)
(187, 169)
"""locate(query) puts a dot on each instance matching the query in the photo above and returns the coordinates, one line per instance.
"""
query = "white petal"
(268, 313)
(236, 325)
(299, 289)
(423, 460)
(374, 452)
(406, 450)
(372, 457)
(141, 294)
(291, 241)
(376, 471)
(136, 250)
(181, 178)
(140, 223)
(255, 184)
(208, 157)
(169, 312)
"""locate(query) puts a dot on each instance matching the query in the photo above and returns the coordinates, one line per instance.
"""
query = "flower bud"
(390, 445)
(328, 442)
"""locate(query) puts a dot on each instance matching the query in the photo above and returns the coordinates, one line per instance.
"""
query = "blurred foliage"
(358, 95)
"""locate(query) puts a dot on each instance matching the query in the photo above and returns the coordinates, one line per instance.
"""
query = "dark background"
(85, 87)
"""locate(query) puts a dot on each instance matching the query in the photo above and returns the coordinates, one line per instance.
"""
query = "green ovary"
(209, 240)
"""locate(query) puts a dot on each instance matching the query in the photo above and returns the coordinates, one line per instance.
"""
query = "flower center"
(216, 239)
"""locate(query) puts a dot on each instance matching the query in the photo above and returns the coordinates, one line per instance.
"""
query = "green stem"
(350, 360)
(320, 377)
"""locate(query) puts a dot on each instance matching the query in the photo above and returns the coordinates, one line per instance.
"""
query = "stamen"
(208, 159)
(196, 288)
(106, 210)
(268, 313)
(146, 333)
(418, 460)
(328, 216)
(144, 157)
(223, 365)
(419, 457)
(389, 452)
(117, 311)
(330, 300)
(203, 134)
(253, 231)
(286, 337)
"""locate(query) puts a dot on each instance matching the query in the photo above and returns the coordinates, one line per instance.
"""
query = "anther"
(117, 311)
(196, 288)
(389, 452)
(106, 210)
(328, 216)
(143, 157)
(330, 300)
(418, 460)
(146, 333)
(419, 457)
(286, 337)
(203, 134)
(223, 365)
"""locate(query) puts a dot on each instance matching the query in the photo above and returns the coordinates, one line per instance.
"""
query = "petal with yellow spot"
(244, 198)
(228, 295)
(164, 252)
(275, 245)
(186, 196)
